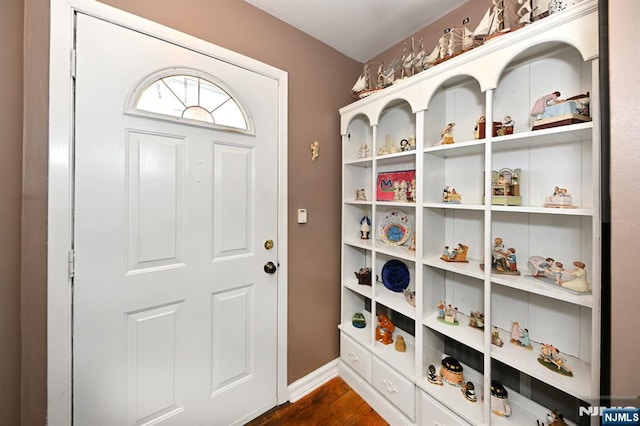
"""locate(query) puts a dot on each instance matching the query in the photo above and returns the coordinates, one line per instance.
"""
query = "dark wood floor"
(334, 403)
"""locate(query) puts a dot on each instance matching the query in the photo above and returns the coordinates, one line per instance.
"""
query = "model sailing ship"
(500, 18)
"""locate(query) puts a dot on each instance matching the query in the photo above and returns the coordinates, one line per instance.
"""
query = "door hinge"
(72, 263)
(73, 63)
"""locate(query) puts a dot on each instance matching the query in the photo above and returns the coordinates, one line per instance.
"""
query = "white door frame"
(60, 207)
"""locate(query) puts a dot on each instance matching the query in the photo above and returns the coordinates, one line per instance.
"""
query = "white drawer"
(432, 413)
(395, 387)
(355, 356)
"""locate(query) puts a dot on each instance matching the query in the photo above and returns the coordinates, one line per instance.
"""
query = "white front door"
(174, 318)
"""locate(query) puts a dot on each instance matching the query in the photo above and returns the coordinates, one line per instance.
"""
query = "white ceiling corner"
(360, 29)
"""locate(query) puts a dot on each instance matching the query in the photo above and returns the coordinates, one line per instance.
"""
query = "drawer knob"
(388, 385)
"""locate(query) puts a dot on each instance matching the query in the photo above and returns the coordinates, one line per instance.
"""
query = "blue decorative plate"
(395, 275)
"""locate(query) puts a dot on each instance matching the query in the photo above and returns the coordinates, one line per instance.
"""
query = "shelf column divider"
(487, 254)
(419, 233)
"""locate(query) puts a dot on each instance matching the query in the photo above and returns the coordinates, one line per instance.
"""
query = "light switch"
(302, 215)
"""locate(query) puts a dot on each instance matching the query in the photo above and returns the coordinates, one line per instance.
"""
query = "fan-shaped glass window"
(194, 98)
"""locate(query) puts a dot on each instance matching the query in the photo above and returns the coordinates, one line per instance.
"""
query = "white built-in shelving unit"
(503, 77)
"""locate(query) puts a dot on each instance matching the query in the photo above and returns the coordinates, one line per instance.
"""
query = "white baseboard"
(313, 380)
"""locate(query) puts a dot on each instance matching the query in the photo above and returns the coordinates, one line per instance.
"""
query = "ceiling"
(360, 29)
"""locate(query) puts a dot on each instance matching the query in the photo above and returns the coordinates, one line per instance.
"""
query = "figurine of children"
(402, 193)
(404, 145)
(507, 126)
(363, 151)
(412, 142)
(543, 102)
(447, 134)
(365, 226)
(511, 259)
(579, 283)
(440, 307)
(361, 195)
(515, 332)
(558, 269)
(499, 255)
(524, 338)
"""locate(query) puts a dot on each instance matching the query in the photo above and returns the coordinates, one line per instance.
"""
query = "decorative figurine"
(411, 193)
(361, 195)
(503, 260)
(363, 152)
(520, 336)
(551, 111)
(506, 126)
(365, 226)
(447, 134)
(495, 337)
(499, 400)
(389, 147)
(450, 196)
(553, 272)
(451, 371)
(560, 199)
(412, 142)
(364, 276)
(554, 418)
(410, 296)
(479, 131)
(412, 244)
(400, 189)
(432, 376)
(401, 346)
(550, 357)
(358, 320)
(447, 314)
(505, 187)
(469, 392)
(458, 254)
(315, 147)
(404, 145)
(476, 320)
(384, 330)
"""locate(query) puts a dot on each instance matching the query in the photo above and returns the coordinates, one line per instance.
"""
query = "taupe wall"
(624, 69)
(11, 13)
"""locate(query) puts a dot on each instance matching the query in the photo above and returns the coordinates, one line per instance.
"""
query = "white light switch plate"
(302, 215)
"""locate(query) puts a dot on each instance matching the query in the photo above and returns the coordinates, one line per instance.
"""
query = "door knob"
(270, 268)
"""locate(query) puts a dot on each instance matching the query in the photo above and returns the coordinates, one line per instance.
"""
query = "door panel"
(174, 318)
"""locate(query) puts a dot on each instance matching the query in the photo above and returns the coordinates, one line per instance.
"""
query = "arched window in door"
(188, 95)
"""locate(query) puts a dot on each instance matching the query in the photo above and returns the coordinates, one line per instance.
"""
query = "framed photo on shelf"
(390, 185)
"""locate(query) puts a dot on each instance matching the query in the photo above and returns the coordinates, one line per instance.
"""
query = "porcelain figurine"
(506, 126)
(389, 147)
(384, 330)
(404, 145)
(447, 314)
(401, 346)
(551, 271)
(458, 254)
(476, 320)
(432, 376)
(469, 392)
(495, 337)
(361, 195)
(503, 259)
(363, 152)
(451, 196)
(365, 226)
(520, 336)
(447, 134)
(550, 357)
(499, 400)
(451, 371)
(561, 199)
(410, 296)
